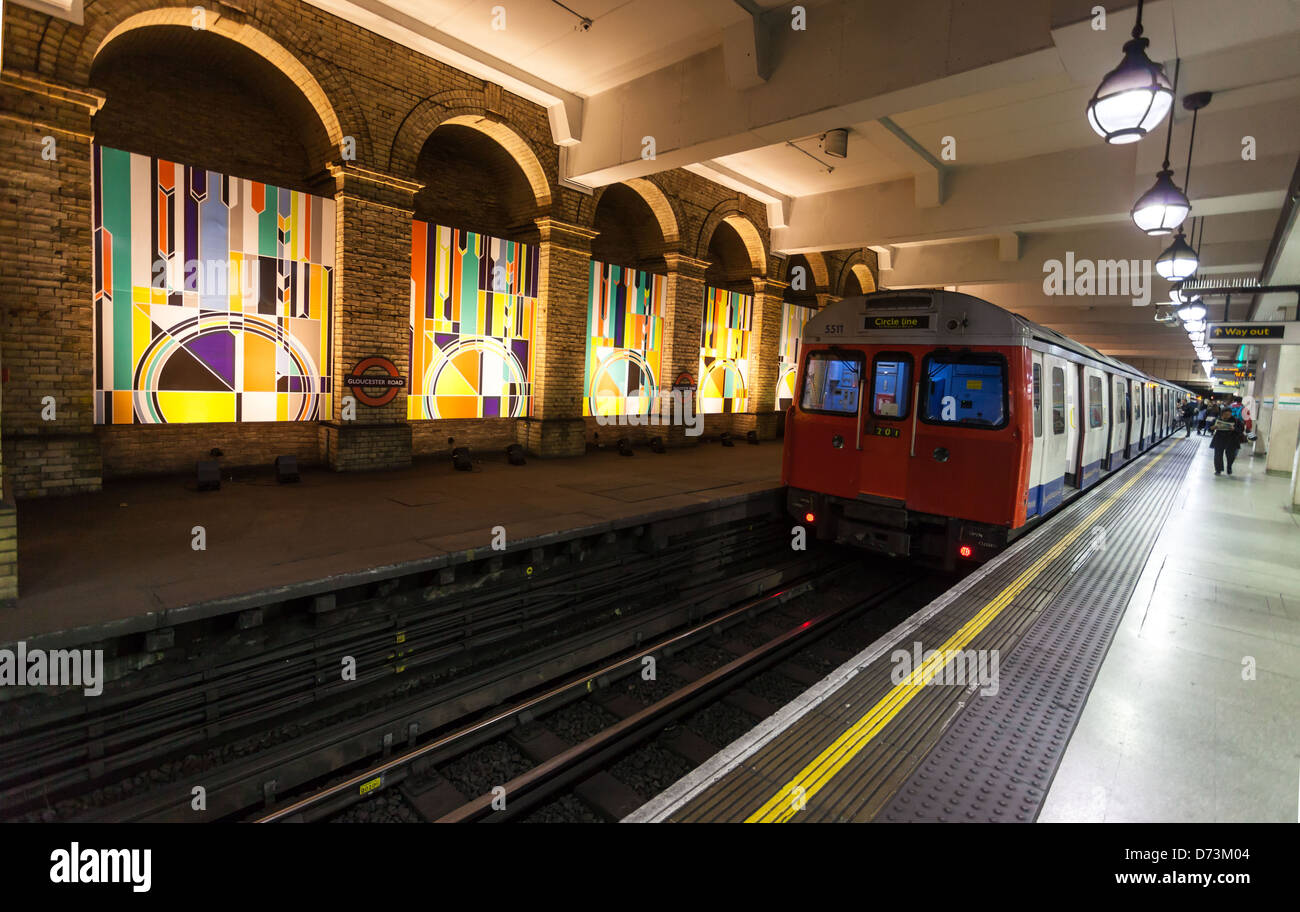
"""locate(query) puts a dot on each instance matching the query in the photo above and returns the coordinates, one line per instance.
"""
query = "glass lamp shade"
(1193, 326)
(1178, 261)
(1196, 337)
(1191, 312)
(1162, 208)
(1132, 99)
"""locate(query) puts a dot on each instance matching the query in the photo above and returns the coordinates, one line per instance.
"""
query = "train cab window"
(891, 384)
(965, 389)
(1038, 400)
(1058, 401)
(1095, 409)
(830, 383)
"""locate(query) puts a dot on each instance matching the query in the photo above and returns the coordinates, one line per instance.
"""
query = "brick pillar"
(46, 286)
(372, 315)
(8, 544)
(765, 340)
(682, 328)
(556, 427)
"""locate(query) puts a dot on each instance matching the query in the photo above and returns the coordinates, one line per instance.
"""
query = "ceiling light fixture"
(1178, 261)
(1134, 97)
(1164, 207)
(835, 143)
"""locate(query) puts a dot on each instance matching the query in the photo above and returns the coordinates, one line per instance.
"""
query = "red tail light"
(965, 550)
(809, 517)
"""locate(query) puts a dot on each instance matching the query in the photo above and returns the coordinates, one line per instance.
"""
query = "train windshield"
(965, 388)
(831, 382)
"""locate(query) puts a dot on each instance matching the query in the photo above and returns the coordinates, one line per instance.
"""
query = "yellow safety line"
(794, 796)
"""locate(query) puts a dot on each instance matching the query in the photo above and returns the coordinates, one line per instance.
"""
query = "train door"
(1094, 423)
(1118, 422)
(1149, 428)
(1072, 374)
(1034, 497)
(887, 419)
(1135, 419)
(1052, 465)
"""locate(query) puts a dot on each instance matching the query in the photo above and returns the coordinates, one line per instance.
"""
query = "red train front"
(916, 418)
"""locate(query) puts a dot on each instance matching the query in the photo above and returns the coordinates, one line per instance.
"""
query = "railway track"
(253, 730)
(580, 750)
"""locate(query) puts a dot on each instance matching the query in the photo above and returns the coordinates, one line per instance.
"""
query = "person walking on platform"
(1200, 420)
(1228, 433)
(1189, 415)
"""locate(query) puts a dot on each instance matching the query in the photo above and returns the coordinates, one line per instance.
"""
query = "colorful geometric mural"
(625, 324)
(213, 295)
(724, 351)
(473, 299)
(793, 319)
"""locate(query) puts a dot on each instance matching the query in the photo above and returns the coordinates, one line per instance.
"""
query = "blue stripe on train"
(1045, 497)
(1091, 473)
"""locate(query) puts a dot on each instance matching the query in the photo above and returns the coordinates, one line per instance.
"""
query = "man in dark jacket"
(1189, 415)
(1229, 431)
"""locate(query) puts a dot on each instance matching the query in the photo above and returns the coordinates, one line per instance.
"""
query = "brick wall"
(161, 448)
(268, 93)
(429, 438)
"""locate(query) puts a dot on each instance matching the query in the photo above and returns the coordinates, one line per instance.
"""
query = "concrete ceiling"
(731, 91)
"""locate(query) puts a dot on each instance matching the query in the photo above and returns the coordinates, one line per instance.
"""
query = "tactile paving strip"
(997, 759)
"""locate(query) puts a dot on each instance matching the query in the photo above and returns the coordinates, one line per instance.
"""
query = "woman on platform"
(1228, 433)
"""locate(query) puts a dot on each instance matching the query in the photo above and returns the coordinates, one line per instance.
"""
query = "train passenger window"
(830, 383)
(1038, 400)
(966, 388)
(891, 383)
(1058, 401)
(1094, 402)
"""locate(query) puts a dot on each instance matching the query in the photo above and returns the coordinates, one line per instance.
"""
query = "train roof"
(936, 316)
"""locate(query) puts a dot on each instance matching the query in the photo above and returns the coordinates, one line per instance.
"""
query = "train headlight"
(838, 442)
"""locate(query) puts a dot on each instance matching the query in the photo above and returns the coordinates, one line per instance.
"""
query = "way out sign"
(1264, 333)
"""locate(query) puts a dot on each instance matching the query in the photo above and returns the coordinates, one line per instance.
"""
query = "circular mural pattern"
(202, 350)
(612, 379)
(482, 367)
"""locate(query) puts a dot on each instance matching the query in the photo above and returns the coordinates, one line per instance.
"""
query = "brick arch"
(103, 33)
(465, 109)
(731, 213)
(857, 265)
(661, 205)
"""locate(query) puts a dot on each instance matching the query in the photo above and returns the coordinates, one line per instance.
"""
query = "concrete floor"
(1172, 730)
(127, 552)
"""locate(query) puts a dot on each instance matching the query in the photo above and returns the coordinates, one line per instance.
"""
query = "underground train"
(936, 425)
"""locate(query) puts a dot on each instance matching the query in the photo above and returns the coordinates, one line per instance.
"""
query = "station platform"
(1193, 717)
(122, 561)
(914, 728)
